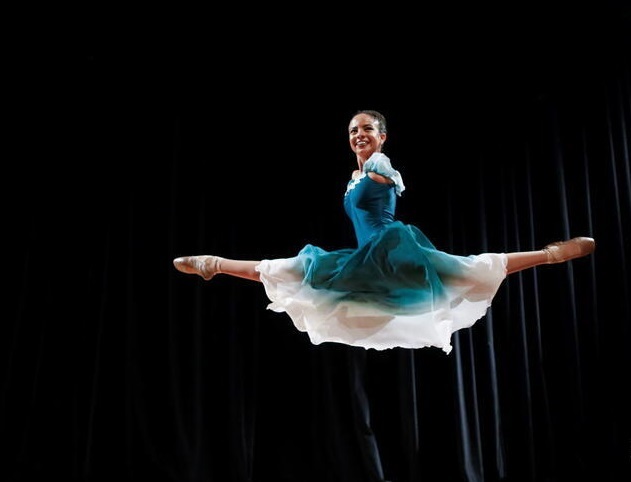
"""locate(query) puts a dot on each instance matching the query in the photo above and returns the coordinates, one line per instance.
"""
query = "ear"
(383, 136)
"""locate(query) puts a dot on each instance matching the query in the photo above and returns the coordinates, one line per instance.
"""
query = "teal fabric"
(393, 270)
(395, 265)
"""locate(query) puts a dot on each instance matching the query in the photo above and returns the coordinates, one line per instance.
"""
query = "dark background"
(142, 136)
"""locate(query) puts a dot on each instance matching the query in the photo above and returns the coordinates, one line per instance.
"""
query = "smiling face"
(364, 135)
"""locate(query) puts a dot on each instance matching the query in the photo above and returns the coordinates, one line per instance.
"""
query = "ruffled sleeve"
(380, 164)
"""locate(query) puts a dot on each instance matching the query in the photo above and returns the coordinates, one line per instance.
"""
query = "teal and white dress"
(395, 289)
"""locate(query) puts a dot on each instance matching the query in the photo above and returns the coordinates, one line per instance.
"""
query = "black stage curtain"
(116, 367)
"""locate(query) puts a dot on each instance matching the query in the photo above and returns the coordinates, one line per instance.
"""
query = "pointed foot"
(562, 251)
(205, 266)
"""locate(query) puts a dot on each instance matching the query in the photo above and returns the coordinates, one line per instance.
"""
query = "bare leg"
(559, 252)
(525, 259)
(208, 266)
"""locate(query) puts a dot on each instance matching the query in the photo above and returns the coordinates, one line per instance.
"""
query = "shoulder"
(379, 178)
(379, 168)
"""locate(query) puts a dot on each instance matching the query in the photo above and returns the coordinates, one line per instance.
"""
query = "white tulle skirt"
(400, 291)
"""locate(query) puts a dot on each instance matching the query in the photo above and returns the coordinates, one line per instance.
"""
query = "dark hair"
(378, 116)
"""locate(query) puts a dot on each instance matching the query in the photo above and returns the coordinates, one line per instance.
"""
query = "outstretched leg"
(208, 266)
(558, 252)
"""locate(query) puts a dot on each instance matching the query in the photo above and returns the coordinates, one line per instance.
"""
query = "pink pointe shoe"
(562, 251)
(204, 266)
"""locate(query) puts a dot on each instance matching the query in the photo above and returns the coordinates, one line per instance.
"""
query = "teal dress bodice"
(370, 205)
